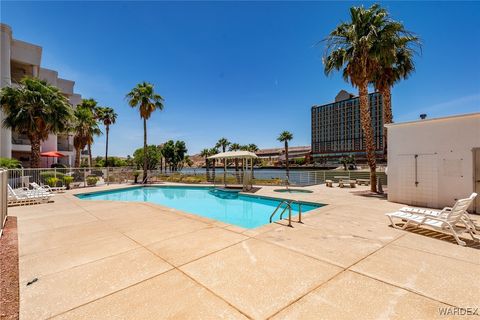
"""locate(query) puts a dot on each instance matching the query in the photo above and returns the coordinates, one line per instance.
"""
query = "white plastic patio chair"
(444, 211)
(34, 192)
(445, 221)
(47, 188)
(22, 196)
(16, 199)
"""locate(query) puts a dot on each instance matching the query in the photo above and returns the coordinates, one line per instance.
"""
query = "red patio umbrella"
(52, 154)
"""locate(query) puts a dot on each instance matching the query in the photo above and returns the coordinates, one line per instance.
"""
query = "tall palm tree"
(235, 147)
(144, 97)
(85, 126)
(252, 147)
(92, 105)
(353, 47)
(284, 137)
(396, 64)
(205, 153)
(249, 147)
(211, 152)
(108, 116)
(35, 109)
(162, 157)
(223, 143)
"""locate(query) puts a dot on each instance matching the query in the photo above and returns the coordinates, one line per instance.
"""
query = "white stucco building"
(434, 162)
(19, 59)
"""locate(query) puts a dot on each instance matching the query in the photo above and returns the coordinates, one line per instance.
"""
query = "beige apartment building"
(20, 59)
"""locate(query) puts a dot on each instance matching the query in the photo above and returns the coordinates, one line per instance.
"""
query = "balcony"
(64, 145)
(20, 139)
(18, 71)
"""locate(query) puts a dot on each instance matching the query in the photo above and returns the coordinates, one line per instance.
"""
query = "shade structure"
(234, 155)
(247, 157)
(52, 154)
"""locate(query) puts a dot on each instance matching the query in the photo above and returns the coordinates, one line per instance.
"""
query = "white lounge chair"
(444, 211)
(445, 221)
(24, 197)
(34, 192)
(47, 188)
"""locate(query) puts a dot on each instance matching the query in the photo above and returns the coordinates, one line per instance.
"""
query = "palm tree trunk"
(224, 159)
(106, 146)
(35, 152)
(89, 146)
(213, 169)
(207, 169)
(286, 158)
(387, 116)
(366, 121)
(145, 160)
(237, 176)
(77, 157)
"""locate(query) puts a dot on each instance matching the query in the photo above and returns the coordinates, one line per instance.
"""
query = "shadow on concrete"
(443, 236)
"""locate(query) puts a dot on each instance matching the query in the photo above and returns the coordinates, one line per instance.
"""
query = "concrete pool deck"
(112, 260)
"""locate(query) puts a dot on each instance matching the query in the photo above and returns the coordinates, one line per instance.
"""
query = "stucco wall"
(48, 75)
(444, 162)
(25, 52)
(65, 86)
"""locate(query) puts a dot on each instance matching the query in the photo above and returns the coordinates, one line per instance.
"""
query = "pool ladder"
(288, 205)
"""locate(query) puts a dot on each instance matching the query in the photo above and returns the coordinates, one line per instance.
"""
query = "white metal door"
(418, 179)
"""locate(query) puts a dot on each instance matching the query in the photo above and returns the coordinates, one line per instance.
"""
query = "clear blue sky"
(243, 70)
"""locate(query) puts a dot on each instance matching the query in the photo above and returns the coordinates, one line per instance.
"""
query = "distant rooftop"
(281, 149)
(467, 115)
(342, 95)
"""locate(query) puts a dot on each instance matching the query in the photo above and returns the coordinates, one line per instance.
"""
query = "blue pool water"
(230, 207)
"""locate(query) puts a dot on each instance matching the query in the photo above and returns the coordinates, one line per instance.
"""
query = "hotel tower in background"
(20, 59)
(337, 132)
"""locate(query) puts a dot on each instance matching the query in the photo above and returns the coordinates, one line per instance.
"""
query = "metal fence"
(3, 198)
(70, 177)
(85, 177)
(272, 177)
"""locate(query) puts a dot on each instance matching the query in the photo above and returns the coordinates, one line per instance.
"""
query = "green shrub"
(192, 179)
(300, 161)
(135, 175)
(50, 174)
(92, 180)
(112, 162)
(272, 181)
(10, 163)
(52, 181)
(67, 180)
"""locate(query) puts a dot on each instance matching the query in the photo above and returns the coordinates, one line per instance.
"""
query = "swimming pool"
(230, 207)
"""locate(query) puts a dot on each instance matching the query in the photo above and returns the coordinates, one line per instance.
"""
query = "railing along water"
(90, 176)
